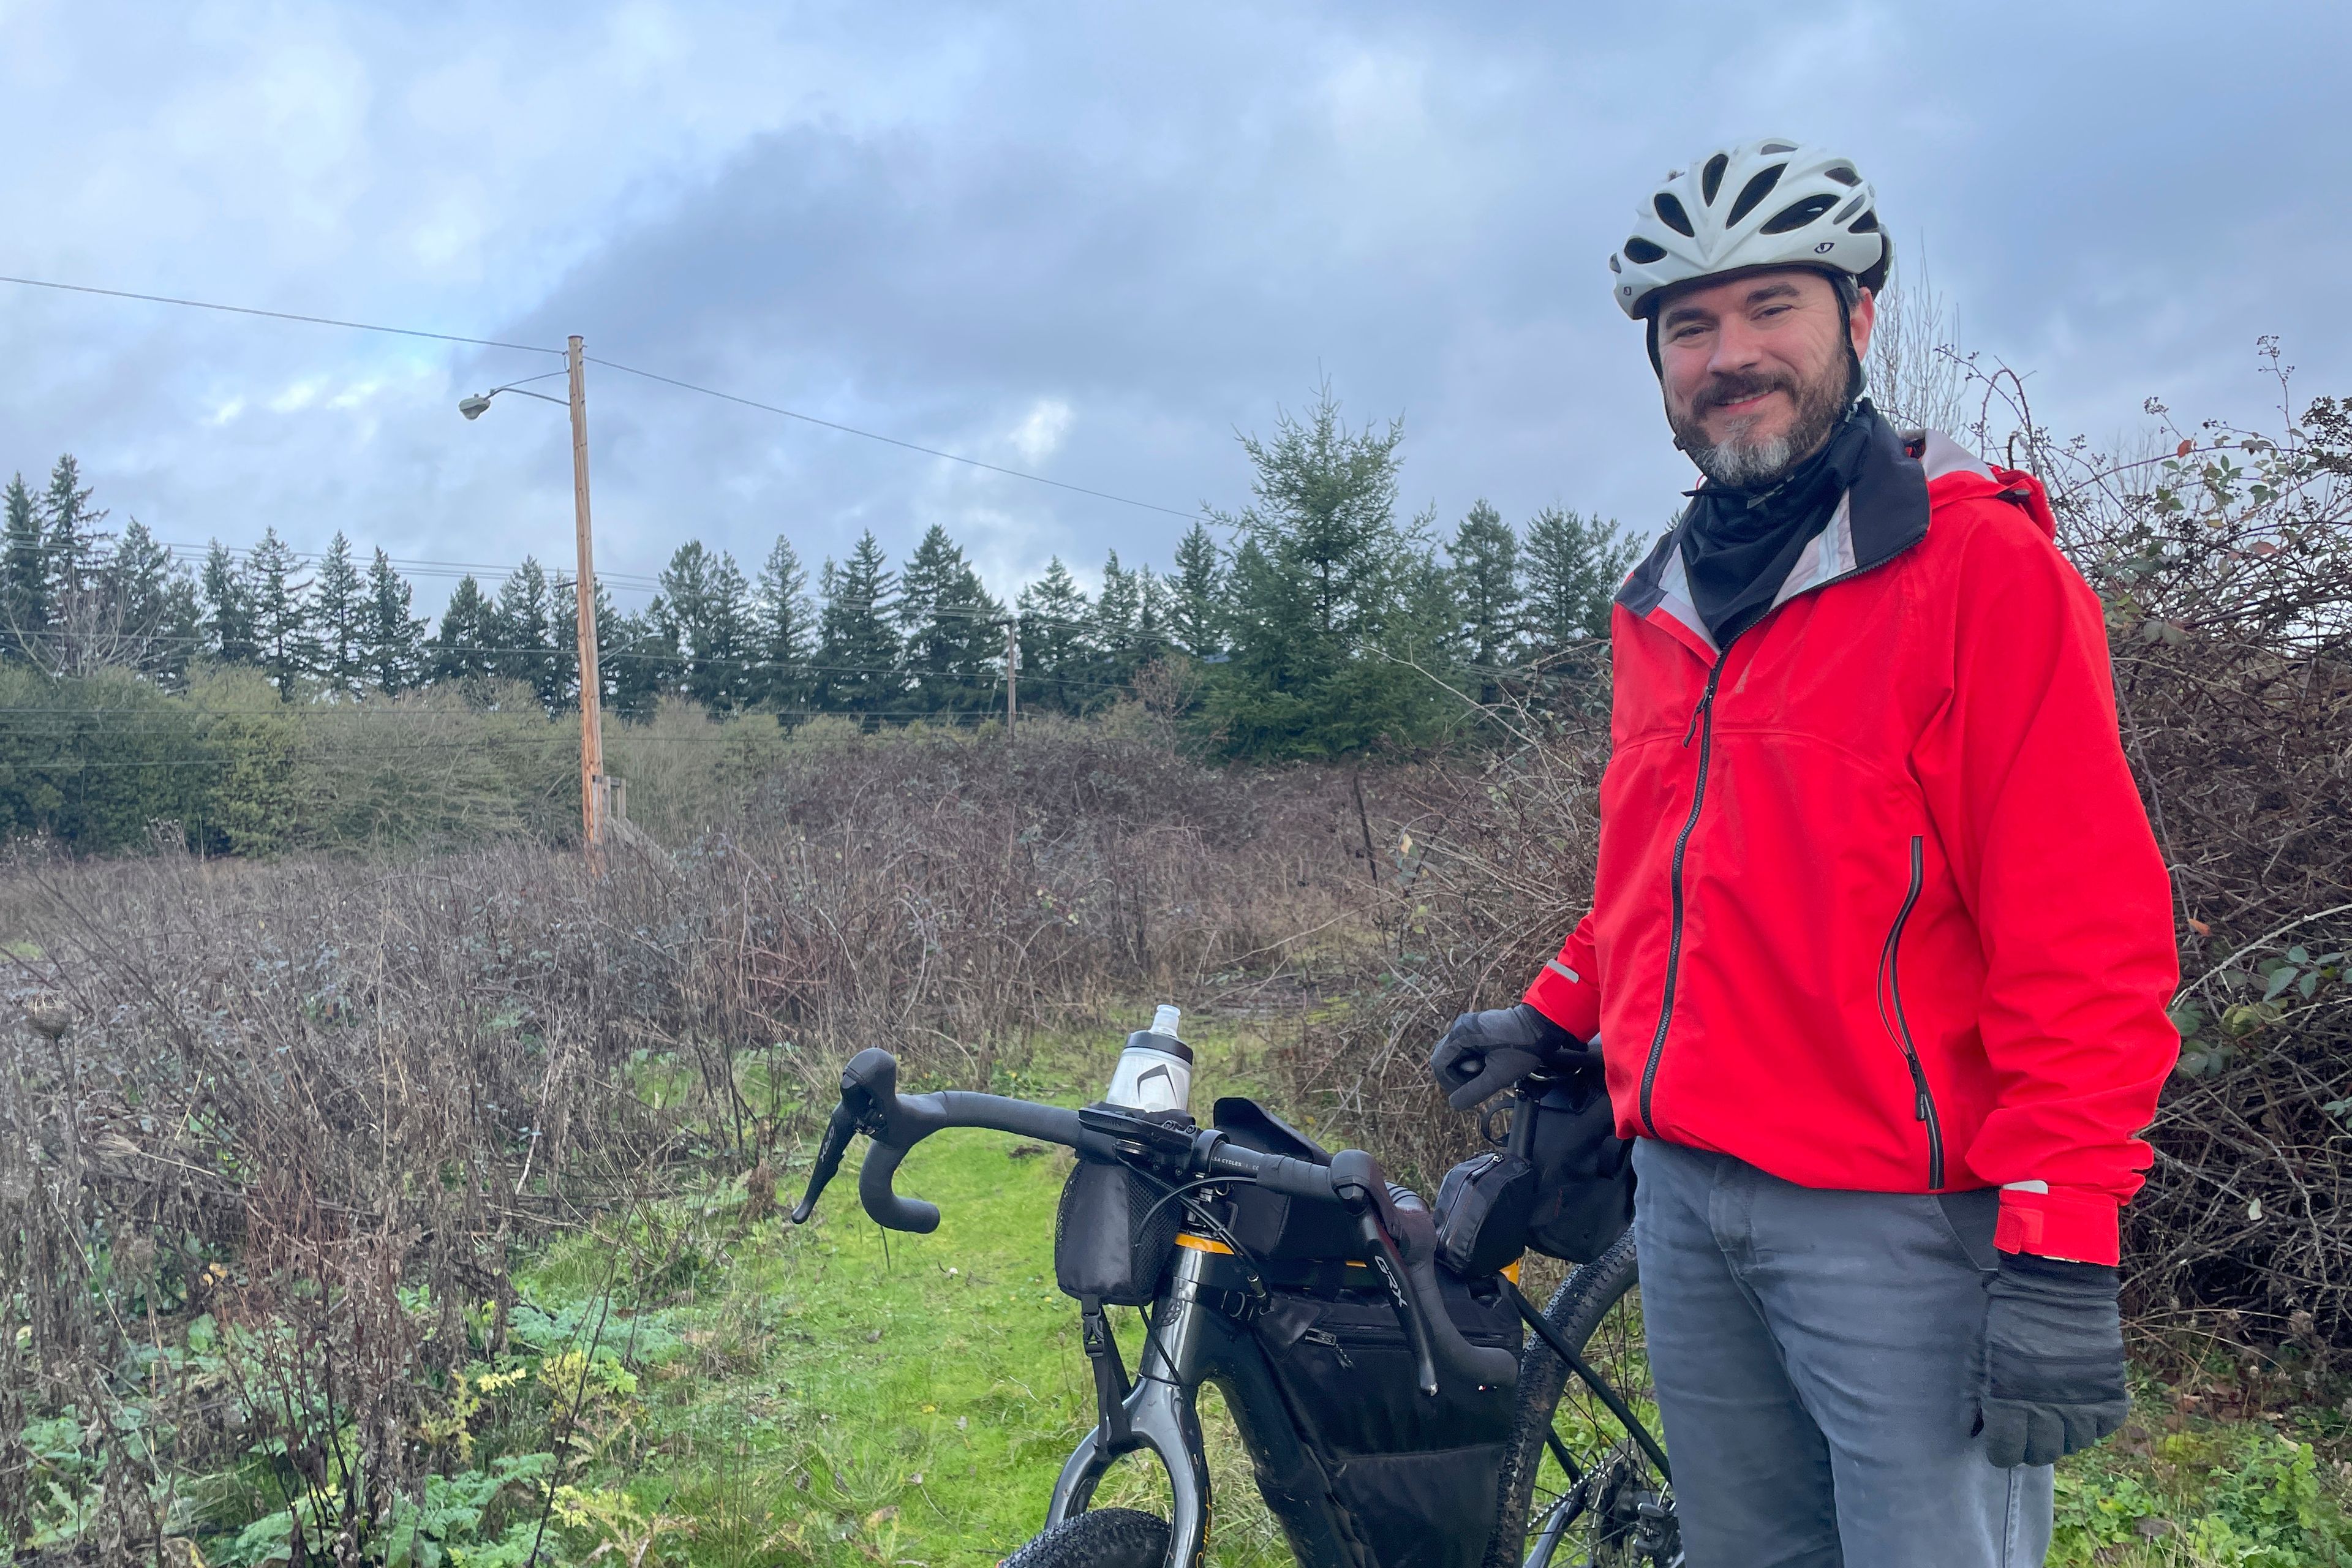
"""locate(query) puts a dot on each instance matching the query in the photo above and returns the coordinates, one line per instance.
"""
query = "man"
(1881, 944)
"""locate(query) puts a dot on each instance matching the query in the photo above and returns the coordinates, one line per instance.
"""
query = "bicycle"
(1307, 1288)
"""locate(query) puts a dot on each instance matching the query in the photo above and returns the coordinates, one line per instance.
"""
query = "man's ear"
(1860, 320)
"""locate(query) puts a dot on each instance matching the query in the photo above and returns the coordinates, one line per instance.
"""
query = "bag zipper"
(1703, 719)
(1890, 983)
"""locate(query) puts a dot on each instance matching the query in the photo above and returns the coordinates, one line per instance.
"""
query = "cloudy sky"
(1091, 241)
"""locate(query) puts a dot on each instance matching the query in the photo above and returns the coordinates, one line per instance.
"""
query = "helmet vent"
(1852, 205)
(1615, 265)
(1842, 176)
(1638, 249)
(1798, 215)
(1670, 212)
(1866, 224)
(1755, 192)
(1771, 147)
(1711, 180)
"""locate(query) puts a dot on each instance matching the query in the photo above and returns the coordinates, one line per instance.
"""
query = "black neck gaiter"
(1738, 546)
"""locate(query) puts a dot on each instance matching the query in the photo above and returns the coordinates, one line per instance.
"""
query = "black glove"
(2053, 1360)
(1486, 1053)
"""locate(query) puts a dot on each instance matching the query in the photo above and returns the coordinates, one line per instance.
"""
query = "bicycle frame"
(1192, 1340)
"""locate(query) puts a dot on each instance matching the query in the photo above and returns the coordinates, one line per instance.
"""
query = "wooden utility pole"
(1012, 671)
(591, 727)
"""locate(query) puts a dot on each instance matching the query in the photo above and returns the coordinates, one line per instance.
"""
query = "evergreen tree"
(711, 605)
(644, 658)
(784, 629)
(1056, 650)
(1486, 556)
(1324, 594)
(23, 572)
(458, 651)
(523, 631)
(228, 612)
(950, 627)
(287, 648)
(1119, 609)
(152, 603)
(1196, 610)
(1573, 567)
(393, 648)
(339, 614)
(857, 668)
(72, 540)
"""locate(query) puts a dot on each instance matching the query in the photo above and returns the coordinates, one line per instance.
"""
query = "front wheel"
(1099, 1538)
(1581, 1492)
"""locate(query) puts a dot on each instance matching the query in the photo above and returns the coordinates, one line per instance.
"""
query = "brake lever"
(1357, 1183)
(837, 1134)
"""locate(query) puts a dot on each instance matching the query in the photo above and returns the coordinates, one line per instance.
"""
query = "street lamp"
(592, 728)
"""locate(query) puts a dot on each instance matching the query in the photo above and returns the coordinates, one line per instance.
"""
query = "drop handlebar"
(1398, 1236)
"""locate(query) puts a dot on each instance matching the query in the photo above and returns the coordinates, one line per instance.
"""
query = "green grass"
(762, 1393)
(832, 1394)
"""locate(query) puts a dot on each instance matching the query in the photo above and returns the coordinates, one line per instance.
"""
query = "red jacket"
(1878, 907)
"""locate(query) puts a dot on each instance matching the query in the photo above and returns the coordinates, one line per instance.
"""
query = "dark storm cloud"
(1095, 241)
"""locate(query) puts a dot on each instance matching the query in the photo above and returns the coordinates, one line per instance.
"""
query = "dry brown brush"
(322, 1104)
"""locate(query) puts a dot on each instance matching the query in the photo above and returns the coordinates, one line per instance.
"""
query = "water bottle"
(1155, 1069)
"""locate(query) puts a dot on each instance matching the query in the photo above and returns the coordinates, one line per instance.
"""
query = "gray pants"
(1817, 1357)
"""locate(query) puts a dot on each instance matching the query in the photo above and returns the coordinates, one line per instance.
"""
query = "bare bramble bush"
(316, 1106)
(2224, 557)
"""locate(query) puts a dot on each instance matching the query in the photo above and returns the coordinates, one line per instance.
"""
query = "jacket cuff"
(2070, 1224)
(1566, 998)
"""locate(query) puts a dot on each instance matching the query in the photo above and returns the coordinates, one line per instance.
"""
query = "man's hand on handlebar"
(1486, 1053)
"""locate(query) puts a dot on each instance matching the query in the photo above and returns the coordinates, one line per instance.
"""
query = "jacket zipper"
(1703, 719)
(1890, 980)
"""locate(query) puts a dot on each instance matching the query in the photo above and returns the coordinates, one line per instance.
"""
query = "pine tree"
(785, 630)
(521, 633)
(339, 614)
(457, 652)
(1056, 650)
(857, 668)
(951, 627)
(71, 538)
(1486, 556)
(287, 648)
(1325, 594)
(229, 630)
(150, 602)
(23, 572)
(645, 659)
(711, 605)
(1196, 593)
(1573, 567)
(393, 648)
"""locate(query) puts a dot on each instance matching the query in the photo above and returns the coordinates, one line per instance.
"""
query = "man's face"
(1754, 371)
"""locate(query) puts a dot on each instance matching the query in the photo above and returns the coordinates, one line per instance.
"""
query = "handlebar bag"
(1584, 1171)
(1483, 1209)
(1415, 1478)
(1112, 1235)
(1271, 1228)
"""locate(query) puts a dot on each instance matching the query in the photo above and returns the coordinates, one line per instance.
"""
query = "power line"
(609, 364)
(277, 315)
(893, 441)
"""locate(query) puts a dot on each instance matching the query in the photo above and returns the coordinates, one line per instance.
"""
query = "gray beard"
(1737, 465)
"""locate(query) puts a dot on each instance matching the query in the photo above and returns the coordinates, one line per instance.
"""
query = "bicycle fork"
(1158, 1414)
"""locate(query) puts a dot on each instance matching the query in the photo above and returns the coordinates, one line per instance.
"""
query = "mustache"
(1722, 389)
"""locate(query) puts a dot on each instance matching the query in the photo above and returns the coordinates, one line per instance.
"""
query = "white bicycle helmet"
(1773, 202)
